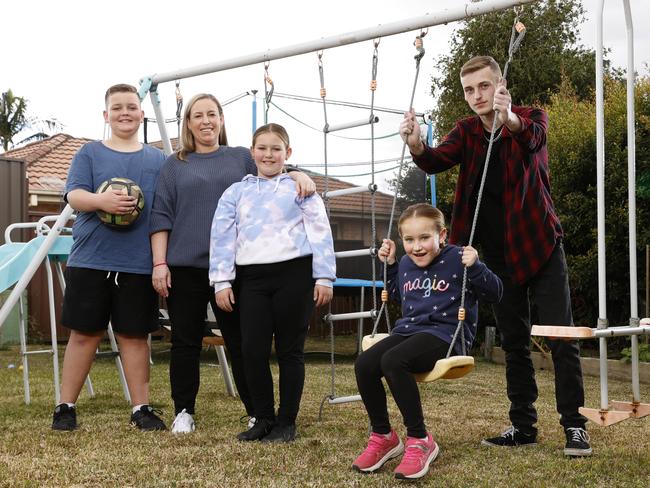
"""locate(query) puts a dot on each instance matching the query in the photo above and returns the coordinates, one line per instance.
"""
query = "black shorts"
(93, 298)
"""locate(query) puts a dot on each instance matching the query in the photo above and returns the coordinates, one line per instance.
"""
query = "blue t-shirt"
(95, 245)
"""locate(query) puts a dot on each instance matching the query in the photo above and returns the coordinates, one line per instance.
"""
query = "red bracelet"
(160, 264)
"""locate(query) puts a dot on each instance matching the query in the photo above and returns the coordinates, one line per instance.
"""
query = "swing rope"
(323, 95)
(373, 219)
(179, 111)
(268, 94)
(516, 36)
(419, 46)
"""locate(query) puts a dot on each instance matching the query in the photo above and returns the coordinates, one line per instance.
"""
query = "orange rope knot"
(520, 27)
(461, 314)
(373, 85)
(323, 92)
(384, 296)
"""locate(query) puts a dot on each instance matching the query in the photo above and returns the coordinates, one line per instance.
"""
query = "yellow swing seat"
(448, 369)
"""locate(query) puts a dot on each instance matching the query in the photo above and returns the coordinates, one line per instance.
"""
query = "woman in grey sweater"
(189, 187)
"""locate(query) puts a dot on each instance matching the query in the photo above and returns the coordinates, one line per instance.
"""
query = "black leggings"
(396, 358)
(188, 300)
(275, 299)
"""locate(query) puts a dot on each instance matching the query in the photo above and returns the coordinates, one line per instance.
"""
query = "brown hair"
(478, 63)
(120, 88)
(187, 142)
(423, 210)
(272, 128)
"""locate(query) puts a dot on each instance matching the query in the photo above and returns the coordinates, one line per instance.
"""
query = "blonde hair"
(478, 63)
(187, 143)
(423, 210)
(272, 128)
(120, 88)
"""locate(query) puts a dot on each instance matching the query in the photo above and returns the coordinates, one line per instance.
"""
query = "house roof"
(48, 162)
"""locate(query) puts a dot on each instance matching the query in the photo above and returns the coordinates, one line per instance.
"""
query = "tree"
(13, 117)
(548, 53)
(572, 157)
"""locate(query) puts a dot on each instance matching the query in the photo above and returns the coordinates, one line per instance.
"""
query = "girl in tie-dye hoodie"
(272, 251)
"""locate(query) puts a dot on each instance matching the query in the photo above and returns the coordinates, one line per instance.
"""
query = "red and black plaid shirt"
(532, 227)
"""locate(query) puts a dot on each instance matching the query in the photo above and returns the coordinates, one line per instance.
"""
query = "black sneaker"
(64, 418)
(511, 437)
(281, 433)
(261, 429)
(577, 442)
(146, 419)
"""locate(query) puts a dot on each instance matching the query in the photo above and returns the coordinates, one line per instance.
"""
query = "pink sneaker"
(379, 450)
(419, 453)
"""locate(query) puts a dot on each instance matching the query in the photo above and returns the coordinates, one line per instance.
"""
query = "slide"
(16, 256)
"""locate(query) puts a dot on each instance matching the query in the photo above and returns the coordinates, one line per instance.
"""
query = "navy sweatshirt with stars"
(431, 296)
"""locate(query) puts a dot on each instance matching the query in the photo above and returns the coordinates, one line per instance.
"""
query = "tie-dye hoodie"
(260, 221)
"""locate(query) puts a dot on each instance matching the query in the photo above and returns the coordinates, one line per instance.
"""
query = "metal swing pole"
(464, 11)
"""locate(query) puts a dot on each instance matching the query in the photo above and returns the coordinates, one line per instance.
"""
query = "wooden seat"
(449, 368)
(562, 332)
(368, 341)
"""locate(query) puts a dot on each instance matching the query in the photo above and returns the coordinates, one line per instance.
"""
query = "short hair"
(120, 88)
(187, 143)
(478, 63)
(272, 128)
(423, 210)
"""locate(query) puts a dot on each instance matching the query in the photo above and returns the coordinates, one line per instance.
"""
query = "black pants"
(188, 300)
(275, 299)
(549, 291)
(396, 358)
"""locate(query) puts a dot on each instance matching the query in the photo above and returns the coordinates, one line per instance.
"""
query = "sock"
(138, 407)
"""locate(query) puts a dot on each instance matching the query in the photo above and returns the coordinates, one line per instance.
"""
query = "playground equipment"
(18, 263)
(150, 85)
(617, 411)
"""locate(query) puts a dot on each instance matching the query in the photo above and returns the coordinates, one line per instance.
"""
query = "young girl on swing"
(428, 283)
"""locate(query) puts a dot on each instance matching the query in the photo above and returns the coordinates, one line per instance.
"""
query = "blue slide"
(16, 256)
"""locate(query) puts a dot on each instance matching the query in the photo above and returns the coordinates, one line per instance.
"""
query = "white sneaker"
(251, 422)
(183, 423)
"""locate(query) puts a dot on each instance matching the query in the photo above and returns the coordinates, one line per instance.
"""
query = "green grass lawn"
(105, 451)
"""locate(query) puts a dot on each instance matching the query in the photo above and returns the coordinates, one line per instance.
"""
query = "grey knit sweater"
(186, 197)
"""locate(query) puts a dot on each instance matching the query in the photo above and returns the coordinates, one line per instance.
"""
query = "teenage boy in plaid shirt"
(520, 237)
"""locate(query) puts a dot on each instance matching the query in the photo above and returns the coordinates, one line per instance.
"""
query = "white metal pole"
(631, 195)
(447, 15)
(53, 338)
(160, 121)
(600, 196)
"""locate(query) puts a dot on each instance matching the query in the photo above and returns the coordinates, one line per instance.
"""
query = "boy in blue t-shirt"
(108, 275)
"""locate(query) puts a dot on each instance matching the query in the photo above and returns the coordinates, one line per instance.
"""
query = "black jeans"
(188, 300)
(275, 300)
(396, 358)
(549, 291)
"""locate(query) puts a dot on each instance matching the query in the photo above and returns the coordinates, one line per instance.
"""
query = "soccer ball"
(128, 187)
